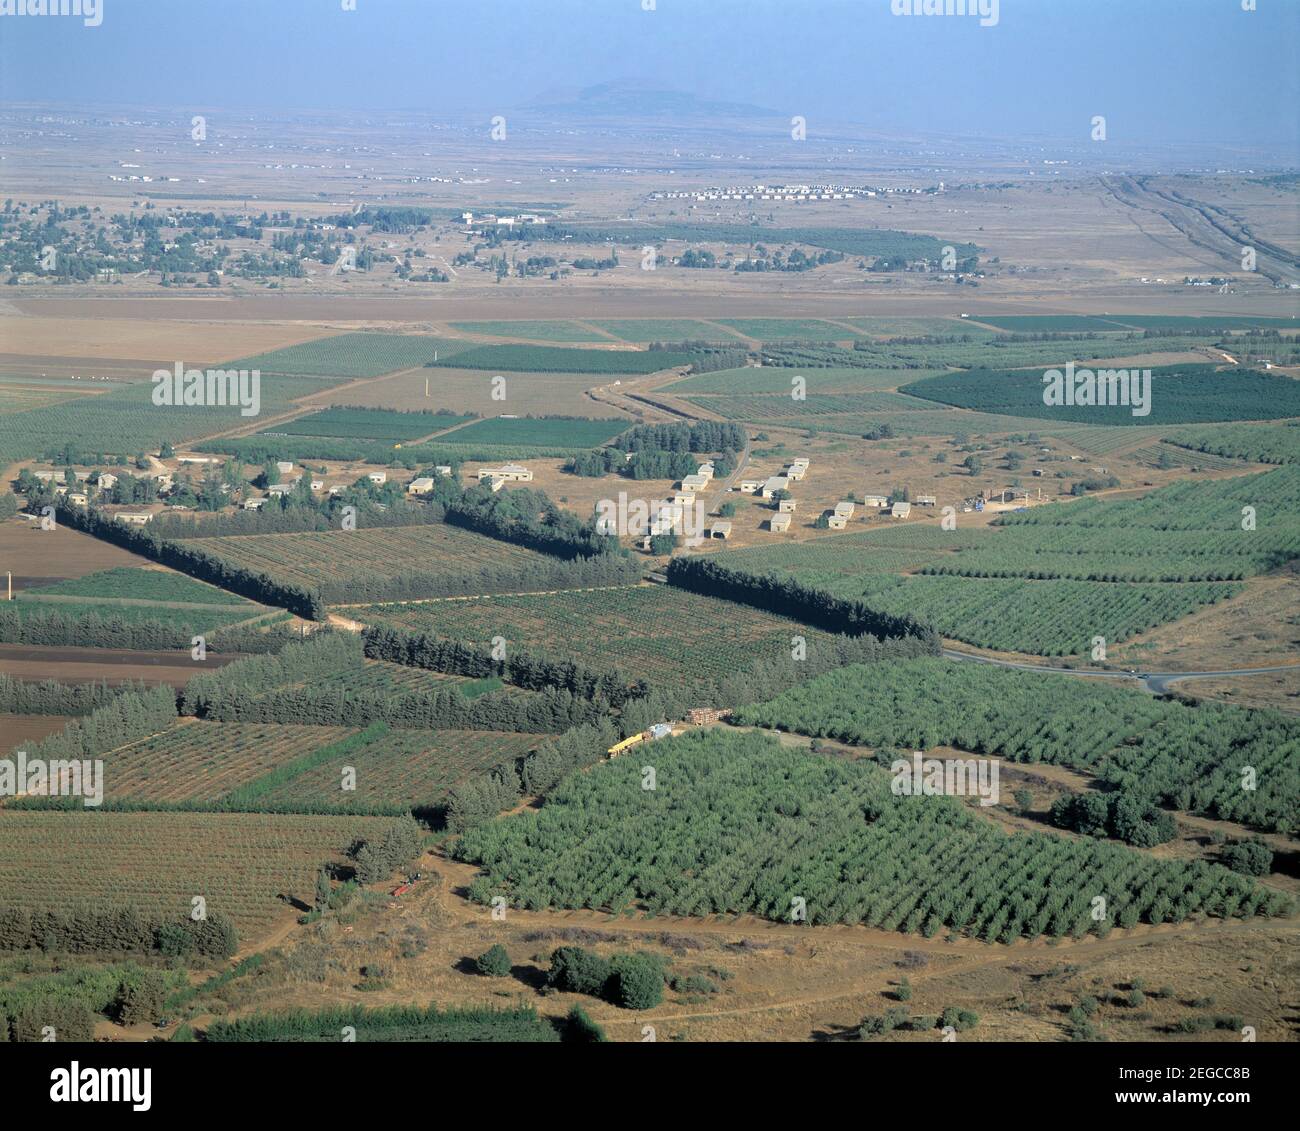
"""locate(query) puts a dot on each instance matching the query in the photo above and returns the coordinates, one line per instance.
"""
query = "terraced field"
(239, 863)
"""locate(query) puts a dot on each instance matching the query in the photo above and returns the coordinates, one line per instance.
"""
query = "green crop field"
(788, 329)
(918, 327)
(1262, 443)
(739, 823)
(30, 609)
(354, 355)
(135, 583)
(1163, 455)
(126, 421)
(404, 769)
(1177, 751)
(1045, 618)
(665, 330)
(557, 359)
(997, 354)
(198, 761)
(774, 379)
(528, 431)
(533, 330)
(158, 862)
(368, 423)
(313, 559)
(1049, 323)
(667, 636)
(811, 405)
(1180, 394)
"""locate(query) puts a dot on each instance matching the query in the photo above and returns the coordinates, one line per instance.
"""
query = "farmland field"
(665, 635)
(158, 862)
(537, 331)
(557, 359)
(813, 404)
(538, 432)
(1261, 443)
(778, 379)
(1188, 756)
(314, 559)
(740, 823)
(125, 421)
(404, 769)
(353, 355)
(664, 330)
(1180, 394)
(144, 585)
(197, 761)
(30, 609)
(787, 329)
(375, 424)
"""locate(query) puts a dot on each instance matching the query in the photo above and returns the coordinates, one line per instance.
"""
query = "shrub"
(636, 981)
(581, 1029)
(577, 971)
(493, 962)
(1248, 857)
(140, 998)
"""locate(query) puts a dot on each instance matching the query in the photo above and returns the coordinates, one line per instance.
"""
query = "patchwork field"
(557, 359)
(371, 424)
(542, 432)
(239, 863)
(534, 331)
(143, 584)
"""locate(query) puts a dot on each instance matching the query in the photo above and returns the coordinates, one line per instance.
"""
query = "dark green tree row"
(49, 626)
(130, 716)
(528, 518)
(49, 697)
(377, 860)
(786, 597)
(705, 436)
(1128, 816)
(399, 1023)
(94, 930)
(421, 650)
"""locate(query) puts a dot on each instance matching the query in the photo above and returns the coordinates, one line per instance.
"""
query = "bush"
(493, 962)
(140, 998)
(636, 981)
(577, 971)
(903, 992)
(1248, 857)
(581, 1029)
(71, 1022)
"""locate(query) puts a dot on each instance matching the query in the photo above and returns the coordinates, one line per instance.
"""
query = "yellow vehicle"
(627, 744)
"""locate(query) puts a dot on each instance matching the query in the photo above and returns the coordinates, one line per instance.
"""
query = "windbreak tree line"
(49, 697)
(787, 597)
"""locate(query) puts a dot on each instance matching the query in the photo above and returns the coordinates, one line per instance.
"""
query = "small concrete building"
(695, 483)
(276, 490)
(378, 477)
(881, 501)
(78, 499)
(779, 523)
(129, 519)
(750, 486)
(421, 486)
(786, 506)
(774, 484)
(901, 509)
(507, 473)
(720, 530)
(926, 500)
(284, 466)
(107, 480)
(837, 522)
(254, 504)
(844, 510)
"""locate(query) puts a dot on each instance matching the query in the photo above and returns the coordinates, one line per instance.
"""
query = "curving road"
(1155, 682)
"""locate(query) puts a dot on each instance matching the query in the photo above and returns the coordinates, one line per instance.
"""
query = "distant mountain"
(635, 98)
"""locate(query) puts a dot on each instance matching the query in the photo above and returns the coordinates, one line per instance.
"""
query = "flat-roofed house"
(837, 522)
(720, 530)
(378, 477)
(796, 471)
(750, 486)
(875, 501)
(926, 500)
(900, 509)
(421, 486)
(132, 519)
(774, 484)
(786, 506)
(78, 498)
(507, 473)
(284, 466)
(779, 523)
(250, 505)
(695, 483)
(844, 510)
(107, 480)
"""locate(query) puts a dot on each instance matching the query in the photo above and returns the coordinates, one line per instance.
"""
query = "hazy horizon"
(1173, 72)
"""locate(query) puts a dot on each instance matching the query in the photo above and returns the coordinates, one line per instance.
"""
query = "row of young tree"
(48, 625)
(704, 436)
(128, 717)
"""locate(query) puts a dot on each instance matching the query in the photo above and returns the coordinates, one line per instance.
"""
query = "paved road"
(1155, 682)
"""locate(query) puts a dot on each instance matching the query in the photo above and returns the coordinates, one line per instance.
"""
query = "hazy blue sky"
(1176, 70)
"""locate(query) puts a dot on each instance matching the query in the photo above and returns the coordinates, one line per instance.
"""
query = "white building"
(508, 473)
(421, 486)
